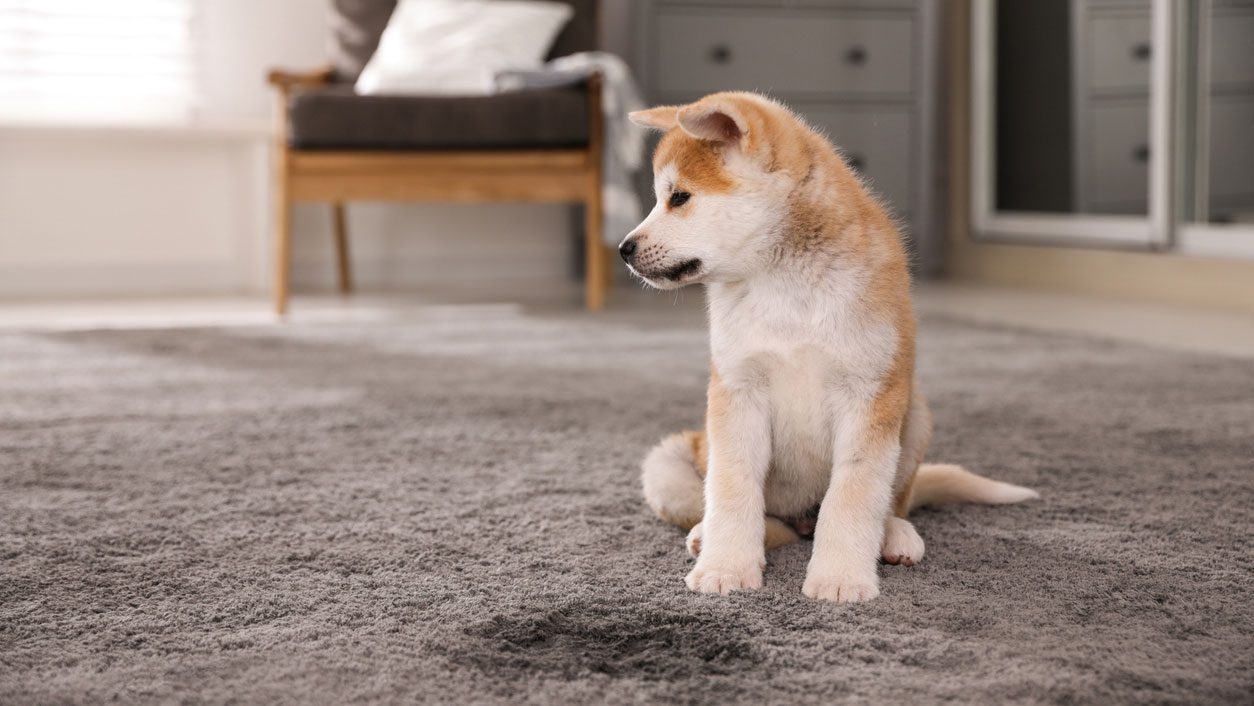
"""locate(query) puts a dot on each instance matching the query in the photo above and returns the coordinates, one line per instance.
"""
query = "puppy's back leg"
(916, 434)
(672, 476)
(902, 543)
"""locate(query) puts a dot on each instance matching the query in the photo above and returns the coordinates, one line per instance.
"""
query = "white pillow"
(456, 47)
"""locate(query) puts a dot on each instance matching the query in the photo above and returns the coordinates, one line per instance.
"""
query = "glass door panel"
(1072, 106)
(1222, 59)
(1067, 117)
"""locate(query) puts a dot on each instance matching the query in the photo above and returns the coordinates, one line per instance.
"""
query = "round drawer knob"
(856, 56)
(1142, 51)
(720, 54)
(857, 162)
(1141, 153)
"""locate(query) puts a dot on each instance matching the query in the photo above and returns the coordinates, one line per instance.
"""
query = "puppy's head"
(722, 175)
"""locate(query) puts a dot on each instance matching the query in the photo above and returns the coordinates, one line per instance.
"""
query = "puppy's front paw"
(841, 588)
(724, 576)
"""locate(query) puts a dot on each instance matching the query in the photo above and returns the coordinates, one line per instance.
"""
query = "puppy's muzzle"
(652, 263)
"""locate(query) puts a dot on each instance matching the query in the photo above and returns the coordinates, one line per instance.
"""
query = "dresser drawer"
(876, 143)
(1119, 150)
(1119, 53)
(794, 53)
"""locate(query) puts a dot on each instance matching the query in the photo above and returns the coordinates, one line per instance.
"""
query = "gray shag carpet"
(445, 508)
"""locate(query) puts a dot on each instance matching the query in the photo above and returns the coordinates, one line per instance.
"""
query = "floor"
(1173, 327)
(382, 503)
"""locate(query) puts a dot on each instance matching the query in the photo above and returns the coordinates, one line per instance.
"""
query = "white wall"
(112, 212)
(122, 212)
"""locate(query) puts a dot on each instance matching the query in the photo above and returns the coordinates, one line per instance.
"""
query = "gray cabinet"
(863, 71)
(825, 54)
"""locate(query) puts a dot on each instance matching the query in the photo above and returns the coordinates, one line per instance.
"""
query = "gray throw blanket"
(624, 141)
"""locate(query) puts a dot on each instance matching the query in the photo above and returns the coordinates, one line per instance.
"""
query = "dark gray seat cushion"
(333, 117)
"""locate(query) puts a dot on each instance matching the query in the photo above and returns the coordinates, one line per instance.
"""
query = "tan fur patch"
(888, 412)
(719, 427)
(901, 501)
(663, 117)
(698, 163)
(700, 450)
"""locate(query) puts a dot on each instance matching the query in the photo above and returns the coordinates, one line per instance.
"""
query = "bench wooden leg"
(340, 225)
(596, 255)
(282, 240)
(596, 263)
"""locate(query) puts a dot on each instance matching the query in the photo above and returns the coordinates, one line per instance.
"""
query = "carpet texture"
(446, 509)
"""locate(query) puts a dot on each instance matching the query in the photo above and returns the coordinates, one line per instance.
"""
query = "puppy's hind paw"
(902, 543)
(694, 540)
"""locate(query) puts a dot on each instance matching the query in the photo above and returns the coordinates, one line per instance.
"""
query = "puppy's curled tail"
(672, 483)
(940, 483)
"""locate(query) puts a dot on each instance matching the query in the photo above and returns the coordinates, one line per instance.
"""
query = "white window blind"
(98, 60)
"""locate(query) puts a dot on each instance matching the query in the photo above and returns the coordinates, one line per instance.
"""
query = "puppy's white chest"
(794, 384)
(811, 366)
(802, 431)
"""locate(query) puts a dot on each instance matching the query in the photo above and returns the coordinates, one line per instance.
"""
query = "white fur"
(671, 484)
(693, 540)
(850, 530)
(902, 543)
(733, 552)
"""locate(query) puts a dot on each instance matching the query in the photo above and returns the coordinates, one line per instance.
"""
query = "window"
(98, 60)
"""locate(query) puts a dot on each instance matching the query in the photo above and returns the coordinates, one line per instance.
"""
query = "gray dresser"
(864, 71)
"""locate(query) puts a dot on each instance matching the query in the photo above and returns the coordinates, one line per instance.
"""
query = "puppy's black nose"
(627, 249)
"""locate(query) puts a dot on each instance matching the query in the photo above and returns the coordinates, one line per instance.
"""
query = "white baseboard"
(82, 281)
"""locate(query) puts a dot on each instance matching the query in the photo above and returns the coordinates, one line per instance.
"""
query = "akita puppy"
(814, 421)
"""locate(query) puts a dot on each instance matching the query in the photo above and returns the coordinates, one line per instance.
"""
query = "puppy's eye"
(679, 198)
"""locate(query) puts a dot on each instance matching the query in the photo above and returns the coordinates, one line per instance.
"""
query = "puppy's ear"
(750, 125)
(715, 121)
(662, 117)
